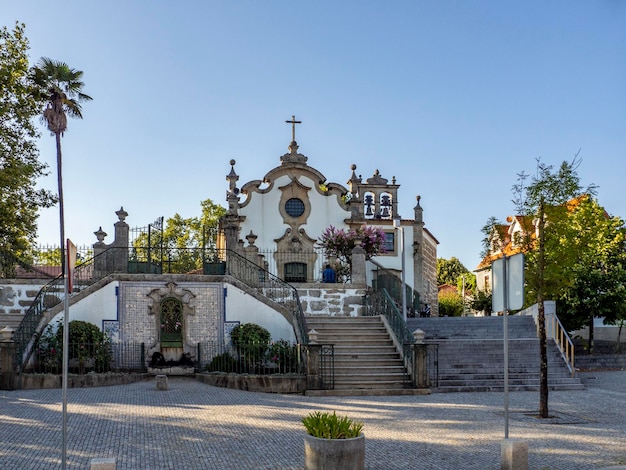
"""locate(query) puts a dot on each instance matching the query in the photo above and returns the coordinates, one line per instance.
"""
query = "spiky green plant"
(330, 426)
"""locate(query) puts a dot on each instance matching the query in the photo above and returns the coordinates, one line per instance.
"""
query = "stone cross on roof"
(293, 123)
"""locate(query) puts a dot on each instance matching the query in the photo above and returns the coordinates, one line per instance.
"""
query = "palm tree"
(59, 87)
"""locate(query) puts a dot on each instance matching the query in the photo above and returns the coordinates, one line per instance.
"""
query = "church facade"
(282, 216)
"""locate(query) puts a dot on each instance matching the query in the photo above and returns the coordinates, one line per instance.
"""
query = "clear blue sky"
(453, 98)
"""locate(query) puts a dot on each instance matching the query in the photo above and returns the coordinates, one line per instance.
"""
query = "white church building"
(282, 216)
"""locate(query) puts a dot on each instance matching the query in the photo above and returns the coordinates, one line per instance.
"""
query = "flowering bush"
(339, 243)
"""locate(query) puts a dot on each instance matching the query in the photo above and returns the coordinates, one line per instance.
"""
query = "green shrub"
(88, 344)
(251, 341)
(330, 426)
(223, 363)
(284, 355)
(249, 333)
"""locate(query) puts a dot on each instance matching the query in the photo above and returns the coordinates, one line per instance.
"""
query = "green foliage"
(450, 304)
(49, 350)
(482, 302)
(338, 244)
(449, 271)
(491, 237)
(20, 168)
(453, 272)
(284, 354)
(224, 363)
(325, 425)
(249, 333)
(251, 341)
(181, 241)
(594, 244)
(60, 89)
(89, 346)
(545, 200)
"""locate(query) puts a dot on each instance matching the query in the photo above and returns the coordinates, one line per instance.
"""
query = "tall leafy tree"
(450, 270)
(595, 244)
(544, 199)
(20, 168)
(60, 88)
(181, 239)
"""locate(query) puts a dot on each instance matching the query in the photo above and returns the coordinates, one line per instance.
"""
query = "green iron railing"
(268, 285)
(381, 303)
(50, 295)
(389, 281)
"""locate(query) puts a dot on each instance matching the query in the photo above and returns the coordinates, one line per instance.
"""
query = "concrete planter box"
(334, 454)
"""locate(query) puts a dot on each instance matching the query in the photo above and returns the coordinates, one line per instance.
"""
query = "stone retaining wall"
(326, 299)
(39, 381)
(257, 383)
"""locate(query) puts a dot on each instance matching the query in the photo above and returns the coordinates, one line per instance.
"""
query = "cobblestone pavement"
(196, 426)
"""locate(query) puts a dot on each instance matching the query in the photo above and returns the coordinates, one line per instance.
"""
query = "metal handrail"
(393, 285)
(563, 342)
(48, 296)
(555, 331)
(270, 286)
(380, 303)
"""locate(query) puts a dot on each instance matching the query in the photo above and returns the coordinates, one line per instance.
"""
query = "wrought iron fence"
(279, 357)
(89, 357)
(327, 367)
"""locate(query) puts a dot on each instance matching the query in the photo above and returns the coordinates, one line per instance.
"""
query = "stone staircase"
(366, 359)
(471, 354)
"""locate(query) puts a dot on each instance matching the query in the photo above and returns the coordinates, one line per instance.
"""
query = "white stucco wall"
(97, 307)
(243, 308)
(263, 218)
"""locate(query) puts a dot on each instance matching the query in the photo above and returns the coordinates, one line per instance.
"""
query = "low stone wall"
(332, 299)
(39, 381)
(256, 383)
(17, 295)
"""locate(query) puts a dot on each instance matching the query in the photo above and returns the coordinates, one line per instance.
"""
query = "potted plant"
(333, 442)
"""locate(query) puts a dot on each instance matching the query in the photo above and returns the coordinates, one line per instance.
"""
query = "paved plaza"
(196, 426)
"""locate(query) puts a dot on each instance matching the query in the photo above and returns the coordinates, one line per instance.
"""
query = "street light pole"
(398, 226)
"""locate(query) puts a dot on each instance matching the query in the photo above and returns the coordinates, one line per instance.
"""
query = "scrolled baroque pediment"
(171, 289)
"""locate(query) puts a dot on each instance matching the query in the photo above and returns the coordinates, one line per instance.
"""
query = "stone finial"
(121, 214)
(354, 181)
(313, 336)
(6, 333)
(100, 234)
(232, 178)
(251, 237)
(377, 179)
(419, 335)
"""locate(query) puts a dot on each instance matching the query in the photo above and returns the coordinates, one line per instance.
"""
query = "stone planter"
(334, 454)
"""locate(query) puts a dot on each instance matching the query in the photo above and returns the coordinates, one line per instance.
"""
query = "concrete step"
(367, 392)
(362, 384)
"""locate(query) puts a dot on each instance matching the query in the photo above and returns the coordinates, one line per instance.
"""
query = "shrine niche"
(171, 307)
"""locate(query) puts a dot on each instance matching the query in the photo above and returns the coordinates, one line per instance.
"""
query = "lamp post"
(398, 226)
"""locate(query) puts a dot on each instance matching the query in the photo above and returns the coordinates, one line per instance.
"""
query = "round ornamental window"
(294, 207)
